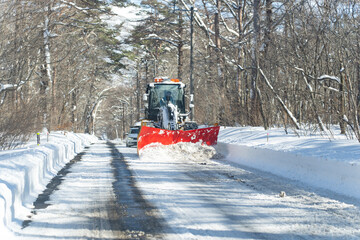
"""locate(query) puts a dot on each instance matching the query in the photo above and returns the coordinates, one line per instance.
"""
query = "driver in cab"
(166, 99)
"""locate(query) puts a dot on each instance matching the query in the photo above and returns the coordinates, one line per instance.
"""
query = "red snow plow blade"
(150, 135)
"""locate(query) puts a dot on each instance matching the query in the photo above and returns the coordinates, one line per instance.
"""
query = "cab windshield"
(162, 93)
(134, 130)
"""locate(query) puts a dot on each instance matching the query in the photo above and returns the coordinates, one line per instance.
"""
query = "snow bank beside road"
(25, 172)
(317, 161)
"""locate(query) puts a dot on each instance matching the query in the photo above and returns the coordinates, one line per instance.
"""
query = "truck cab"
(160, 93)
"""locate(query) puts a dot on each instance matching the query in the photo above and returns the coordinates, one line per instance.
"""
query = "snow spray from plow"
(181, 152)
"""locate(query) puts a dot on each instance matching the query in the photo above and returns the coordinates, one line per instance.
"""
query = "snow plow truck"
(167, 121)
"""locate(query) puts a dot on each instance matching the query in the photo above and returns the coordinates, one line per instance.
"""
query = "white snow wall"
(339, 177)
(24, 174)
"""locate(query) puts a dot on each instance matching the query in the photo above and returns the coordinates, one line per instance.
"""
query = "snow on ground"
(315, 160)
(80, 202)
(202, 198)
(24, 173)
(331, 164)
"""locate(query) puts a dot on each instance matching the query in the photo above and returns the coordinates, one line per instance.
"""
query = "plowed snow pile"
(179, 152)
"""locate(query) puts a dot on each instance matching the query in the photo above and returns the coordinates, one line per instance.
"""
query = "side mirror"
(145, 97)
(191, 105)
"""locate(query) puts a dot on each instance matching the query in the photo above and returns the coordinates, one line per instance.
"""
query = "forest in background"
(290, 63)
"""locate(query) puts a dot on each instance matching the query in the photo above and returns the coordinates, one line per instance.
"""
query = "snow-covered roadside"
(314, 160)
(202, 198)
(25, 172)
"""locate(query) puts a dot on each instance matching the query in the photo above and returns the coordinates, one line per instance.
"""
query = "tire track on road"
(137, 217)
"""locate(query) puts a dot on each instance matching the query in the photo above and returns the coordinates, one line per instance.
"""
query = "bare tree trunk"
(180, 46)
(356, 123)
(240, 59)
(73, 106)
(268, 29)
(46, 78)
(261, 106)
(219, 66)
(357, 66)
(146, 73)
(88, 112)
(53, 102)
(130, 109)
(138, 92)
(342, 104)
(255, 105)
